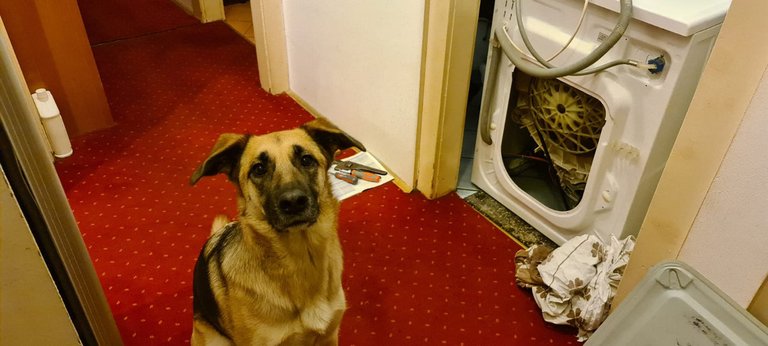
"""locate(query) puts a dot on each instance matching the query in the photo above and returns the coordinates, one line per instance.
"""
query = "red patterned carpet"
(418, 272)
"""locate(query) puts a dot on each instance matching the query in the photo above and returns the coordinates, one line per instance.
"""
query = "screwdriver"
(346, 177)
(368, 176)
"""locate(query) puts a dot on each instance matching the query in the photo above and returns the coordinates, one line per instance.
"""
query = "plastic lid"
(683, 17)
(41, 94)
(675, 305)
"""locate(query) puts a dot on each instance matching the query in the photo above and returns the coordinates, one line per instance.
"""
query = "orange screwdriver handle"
(368, 176)
(346, 177)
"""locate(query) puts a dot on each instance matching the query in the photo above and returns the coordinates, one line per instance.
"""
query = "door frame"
(449, 42)
(30, 171)
(271, 49)
(205, 10)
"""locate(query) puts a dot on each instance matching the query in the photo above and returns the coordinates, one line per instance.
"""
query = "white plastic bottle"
(52, 123)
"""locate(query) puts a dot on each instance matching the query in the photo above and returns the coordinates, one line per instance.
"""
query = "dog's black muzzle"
(291, 206)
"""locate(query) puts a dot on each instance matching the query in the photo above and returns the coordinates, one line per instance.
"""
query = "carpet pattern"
(109, 20)
(417, 272)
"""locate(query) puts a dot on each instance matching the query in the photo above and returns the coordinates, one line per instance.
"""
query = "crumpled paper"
(576, 282)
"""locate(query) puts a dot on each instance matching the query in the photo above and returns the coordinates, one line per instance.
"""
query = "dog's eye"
(308, 161)
(259, 169)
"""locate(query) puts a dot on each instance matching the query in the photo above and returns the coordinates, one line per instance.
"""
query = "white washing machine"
(583, 154)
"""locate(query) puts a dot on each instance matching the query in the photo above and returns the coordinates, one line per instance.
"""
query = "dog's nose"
(293, 201)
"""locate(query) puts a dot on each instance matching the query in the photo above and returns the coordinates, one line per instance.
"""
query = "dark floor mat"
(507, 220)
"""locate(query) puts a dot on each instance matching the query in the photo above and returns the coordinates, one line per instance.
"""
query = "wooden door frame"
(206, 10)
(449, 40)
(271, 49)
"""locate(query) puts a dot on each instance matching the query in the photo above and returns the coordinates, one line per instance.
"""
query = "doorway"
(464, 187)
(237, 14)
(478, 199)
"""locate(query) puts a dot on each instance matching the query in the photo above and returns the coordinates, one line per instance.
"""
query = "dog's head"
(281, 177)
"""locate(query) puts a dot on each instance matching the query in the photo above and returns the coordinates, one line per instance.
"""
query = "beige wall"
(28, 297)
(709, 208)
(728, 238)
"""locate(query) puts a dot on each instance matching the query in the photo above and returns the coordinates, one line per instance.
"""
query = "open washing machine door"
(583, 154)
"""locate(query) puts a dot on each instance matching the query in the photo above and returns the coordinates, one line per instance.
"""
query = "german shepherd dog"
(273, 276)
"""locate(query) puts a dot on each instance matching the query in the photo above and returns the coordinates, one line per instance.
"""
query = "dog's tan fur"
(274, 286)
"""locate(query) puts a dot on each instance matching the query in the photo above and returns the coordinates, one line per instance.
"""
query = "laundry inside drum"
(550, 138)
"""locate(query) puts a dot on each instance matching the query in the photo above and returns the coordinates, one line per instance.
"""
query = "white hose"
(549, 71)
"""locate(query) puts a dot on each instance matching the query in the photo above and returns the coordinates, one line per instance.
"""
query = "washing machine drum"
(568, 118)
(566, 124)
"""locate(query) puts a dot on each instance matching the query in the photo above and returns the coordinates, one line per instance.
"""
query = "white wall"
(727, 242)
(358, 63)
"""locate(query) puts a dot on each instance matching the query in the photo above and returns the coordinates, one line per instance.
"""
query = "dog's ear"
(224, 158)
(329, 137)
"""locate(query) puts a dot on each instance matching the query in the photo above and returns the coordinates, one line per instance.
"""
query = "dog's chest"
(319, 315)
(316, 288)
(295, 283)
(303, 311)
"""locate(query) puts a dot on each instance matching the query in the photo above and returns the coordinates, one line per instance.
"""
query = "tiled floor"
(238, 16)
(465, 188)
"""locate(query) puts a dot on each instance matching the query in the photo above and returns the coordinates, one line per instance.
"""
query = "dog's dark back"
(204, 302)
